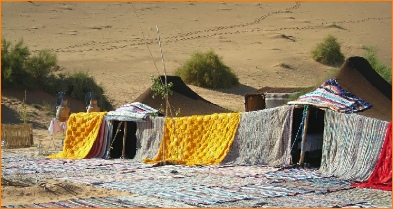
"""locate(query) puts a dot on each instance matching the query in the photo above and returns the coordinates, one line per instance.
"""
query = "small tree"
(41, 65)
(328, 52)
(207, 70)
(21, 69)
(13, 73)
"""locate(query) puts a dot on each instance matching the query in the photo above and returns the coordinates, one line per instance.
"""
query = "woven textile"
(263, 138)
(351, 145)
(198, 195)
(93, 202)
(312, 200)
(149, 134)
(135, 111)
(82, 132)
(381, 178)
(331, 95)
(98, 144)
(194, 140)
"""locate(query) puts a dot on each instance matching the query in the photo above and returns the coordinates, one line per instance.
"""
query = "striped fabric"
(149, 134)
(263, 138)
(331, 95)
(351, 145)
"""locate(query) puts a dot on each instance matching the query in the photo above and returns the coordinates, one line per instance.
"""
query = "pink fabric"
(96, 149)
(56, 126)
(104, 139)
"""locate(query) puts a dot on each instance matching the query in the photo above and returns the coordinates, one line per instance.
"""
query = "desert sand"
(116, 43)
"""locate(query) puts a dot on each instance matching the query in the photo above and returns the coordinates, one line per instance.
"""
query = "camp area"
(255, 158)
(196, 105)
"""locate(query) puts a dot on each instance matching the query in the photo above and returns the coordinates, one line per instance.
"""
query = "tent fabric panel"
(351, 145)
(263, 138)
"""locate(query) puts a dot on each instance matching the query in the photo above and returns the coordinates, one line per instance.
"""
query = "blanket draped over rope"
(263, 138)
(135, 111)
(381, 178)
(149, 134)
(197, 140)
(351, 145)
(82, 132)
(333, 96)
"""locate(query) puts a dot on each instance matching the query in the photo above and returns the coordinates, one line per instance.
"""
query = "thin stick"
(304, 138)
(166, 94)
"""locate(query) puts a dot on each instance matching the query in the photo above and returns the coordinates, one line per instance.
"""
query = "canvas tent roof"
(183, 97)
(358, 77)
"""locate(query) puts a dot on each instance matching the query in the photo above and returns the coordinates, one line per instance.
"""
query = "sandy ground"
(116, 43)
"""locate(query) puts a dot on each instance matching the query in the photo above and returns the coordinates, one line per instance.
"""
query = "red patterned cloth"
(381, 178)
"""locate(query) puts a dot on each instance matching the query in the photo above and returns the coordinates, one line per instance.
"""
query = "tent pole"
(166, 93)
(304, 137)
(123, 152)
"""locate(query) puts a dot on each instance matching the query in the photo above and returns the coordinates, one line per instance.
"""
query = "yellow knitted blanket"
(82, 131)
(197, 140)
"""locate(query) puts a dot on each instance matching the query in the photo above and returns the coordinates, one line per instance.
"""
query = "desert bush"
(21, 69)
(328, 52)
(207, 70)
(42, 65)
(13, 71)
(383, 70)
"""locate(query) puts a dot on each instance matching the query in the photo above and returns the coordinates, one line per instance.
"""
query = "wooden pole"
(123, 152)
(166, 94)
(304, 137)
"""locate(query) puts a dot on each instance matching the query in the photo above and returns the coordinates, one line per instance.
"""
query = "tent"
(357, 76)
(183, 98)
(354, 132)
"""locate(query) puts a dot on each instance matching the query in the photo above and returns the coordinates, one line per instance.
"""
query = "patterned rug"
(331, 95)
(293, 174)
(197, 195)
(193, 186)
(105, 202)
(310, 201)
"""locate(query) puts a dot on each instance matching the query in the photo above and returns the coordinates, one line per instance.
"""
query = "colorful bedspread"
(135, 111)
(82, 132)
(197, 140)
(332, 96)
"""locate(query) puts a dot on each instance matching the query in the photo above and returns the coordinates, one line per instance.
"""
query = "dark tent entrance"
(123, 145)
(314, 136)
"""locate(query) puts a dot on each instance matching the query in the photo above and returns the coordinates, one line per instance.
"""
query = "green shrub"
(383, 70)
(20, 69)
(207, 70)
(41, 65)
(13, 72)
(328, 52)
